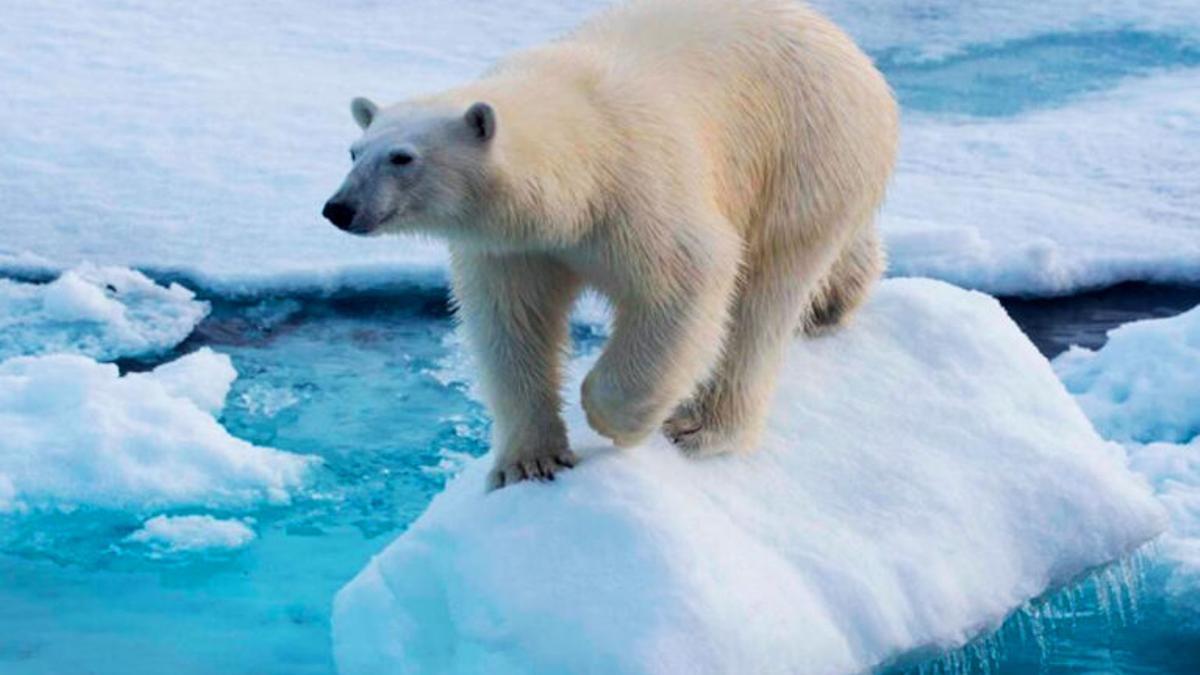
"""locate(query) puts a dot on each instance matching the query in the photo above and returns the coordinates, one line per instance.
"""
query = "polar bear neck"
(553, 157)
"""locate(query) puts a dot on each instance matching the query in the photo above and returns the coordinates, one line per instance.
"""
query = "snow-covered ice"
(212, 135)
(1143, 388)
(1052, 201)
(76, 433)
(202, 140)
(1144, 384)
(184, 534)
(102, 312)
(867, 525)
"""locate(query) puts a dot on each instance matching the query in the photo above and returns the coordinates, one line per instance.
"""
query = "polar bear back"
(776, 91)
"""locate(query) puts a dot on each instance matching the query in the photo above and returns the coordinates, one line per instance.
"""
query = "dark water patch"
(1054, 324)
(1040, 72)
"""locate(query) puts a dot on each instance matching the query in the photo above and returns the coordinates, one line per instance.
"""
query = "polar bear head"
(416, 168)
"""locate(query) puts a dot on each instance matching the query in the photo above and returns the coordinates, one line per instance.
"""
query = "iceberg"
(77, 433)
(106, 313)
(923, 474)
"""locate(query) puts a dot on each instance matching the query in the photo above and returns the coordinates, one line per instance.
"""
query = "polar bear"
(712, 167)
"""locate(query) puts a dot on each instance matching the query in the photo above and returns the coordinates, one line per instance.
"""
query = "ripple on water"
(1039, 72)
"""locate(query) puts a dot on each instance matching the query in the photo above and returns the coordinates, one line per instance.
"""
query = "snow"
(201, 141)
(198, 142)
(1143, 389)
(102, 312)
(1053, 201)
(923, 474)
(185, 534)
(76, 433)
(1144, 384)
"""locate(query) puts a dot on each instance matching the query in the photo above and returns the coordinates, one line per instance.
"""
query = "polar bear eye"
(400, 158)
(353, 156)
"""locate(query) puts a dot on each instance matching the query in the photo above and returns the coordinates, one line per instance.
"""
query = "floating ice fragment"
(178, 534)
(106, 313)
(923, 475)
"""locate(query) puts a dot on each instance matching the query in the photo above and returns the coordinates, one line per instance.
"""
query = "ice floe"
(1143, 388)
(1053, 201)
(77, 433)
(924, 473)
(184, 534)
(221, 181)
(102, 312)
(1144, 384)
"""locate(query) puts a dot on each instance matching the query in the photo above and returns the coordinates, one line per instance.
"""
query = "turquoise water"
(359, 383)
(1041, 72)
(370, 384)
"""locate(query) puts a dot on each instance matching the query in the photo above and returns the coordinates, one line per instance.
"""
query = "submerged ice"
(862, 529)
(77, 433)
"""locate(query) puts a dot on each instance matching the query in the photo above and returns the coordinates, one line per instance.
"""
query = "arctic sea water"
(374, 385)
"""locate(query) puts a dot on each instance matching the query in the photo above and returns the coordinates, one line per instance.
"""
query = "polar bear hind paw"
(695, 437)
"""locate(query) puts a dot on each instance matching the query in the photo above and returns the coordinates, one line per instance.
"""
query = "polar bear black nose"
(338, 213)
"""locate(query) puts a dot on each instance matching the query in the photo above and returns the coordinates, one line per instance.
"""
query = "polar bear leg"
(843, 290)
(727, 412)
(668, 331)
(514, 310)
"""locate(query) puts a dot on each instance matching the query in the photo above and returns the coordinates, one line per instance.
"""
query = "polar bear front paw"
(613, 413)
(539, 468)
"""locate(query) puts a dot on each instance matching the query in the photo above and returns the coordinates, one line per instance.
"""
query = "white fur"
(712, 166)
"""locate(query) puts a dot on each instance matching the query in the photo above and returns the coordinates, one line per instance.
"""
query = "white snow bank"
(1144, 384)
(183, 534)
(1091, 194)
(923, 474)
(102, 312)
(76, 433)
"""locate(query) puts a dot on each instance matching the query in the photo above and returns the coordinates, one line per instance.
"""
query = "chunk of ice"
(106, 313)
(76, 433)
(922, 475)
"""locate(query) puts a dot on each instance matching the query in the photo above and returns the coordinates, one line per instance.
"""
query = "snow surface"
(199, 141)
(102, 312)
(1099, 191)
(923, 474)
(1144, 384)
(76, 433)
(185, 534)
(1143, 388)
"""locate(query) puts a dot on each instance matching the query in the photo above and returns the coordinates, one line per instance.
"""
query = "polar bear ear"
(364, 111)
(481, 119)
